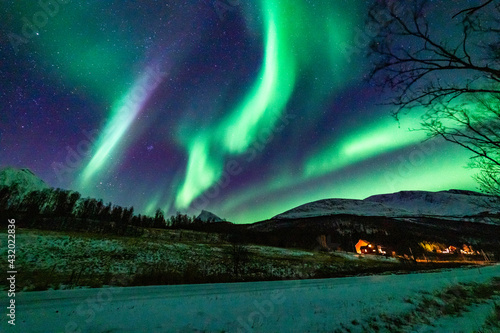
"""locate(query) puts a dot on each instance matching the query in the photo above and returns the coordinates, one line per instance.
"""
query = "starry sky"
(242, 108)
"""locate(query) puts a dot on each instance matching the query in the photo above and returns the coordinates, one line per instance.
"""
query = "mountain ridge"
(206, 216)
(25, 179)
(450, 204)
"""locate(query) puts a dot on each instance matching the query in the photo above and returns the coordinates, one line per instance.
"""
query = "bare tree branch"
(456, 86)
(470, 11)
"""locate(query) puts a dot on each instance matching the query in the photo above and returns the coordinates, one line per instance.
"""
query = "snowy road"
(280, 306)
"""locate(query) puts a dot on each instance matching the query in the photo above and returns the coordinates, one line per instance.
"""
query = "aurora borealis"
(245, 109)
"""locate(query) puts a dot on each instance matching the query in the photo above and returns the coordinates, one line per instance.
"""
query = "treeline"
(58, 209)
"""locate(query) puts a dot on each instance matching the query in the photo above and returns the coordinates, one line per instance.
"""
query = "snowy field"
(55, 260)
(360, 304)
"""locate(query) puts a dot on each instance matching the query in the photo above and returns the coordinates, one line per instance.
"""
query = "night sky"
(245, 110)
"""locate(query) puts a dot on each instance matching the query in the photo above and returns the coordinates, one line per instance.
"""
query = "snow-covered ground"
(473, 321)
(280, 306)
(54, 259)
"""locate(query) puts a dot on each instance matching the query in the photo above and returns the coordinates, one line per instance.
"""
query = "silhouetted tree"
(45, 201)
(73, 197)
(135, 221)
(238, 253)
(447, 67)
(13, 197)
(179, 220)
(4, 197)
(159, 220)
(116, 214)
(127, 215)
(99, 207)
(88, 209)
(32, 205)
(105, 213)
(145, 221)
(61, 202)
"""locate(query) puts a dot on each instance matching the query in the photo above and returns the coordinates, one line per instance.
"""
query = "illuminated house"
(361, 243)
(365, 247)
(450, 249)
(441, 248)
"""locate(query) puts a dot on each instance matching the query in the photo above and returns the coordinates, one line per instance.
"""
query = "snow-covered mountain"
(450, 204)
(341, 206)
(444, 203)
(26, 180)
(207, 216)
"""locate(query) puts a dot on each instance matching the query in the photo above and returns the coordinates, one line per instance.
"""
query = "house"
(369, 249)
(365, 247)
(450, 249)
(361, 243)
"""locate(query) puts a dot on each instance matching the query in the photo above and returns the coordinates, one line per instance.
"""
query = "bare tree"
(238, 253)
(446, 67)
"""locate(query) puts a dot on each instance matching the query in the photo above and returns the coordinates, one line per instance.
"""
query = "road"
(279, 306)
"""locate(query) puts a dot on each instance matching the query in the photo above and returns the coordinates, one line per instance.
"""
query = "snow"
(473, 321)
(25, 178)
(355, 256)
(99, 258)
(341, 206)
(206, 216)
(450, 204)
(279, 306)
(443, 203)
(277, 251)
